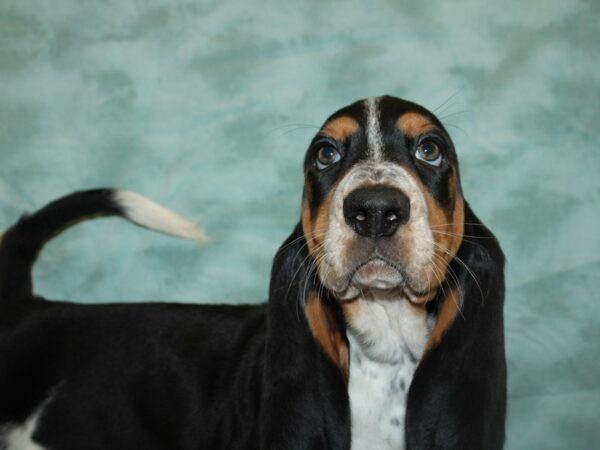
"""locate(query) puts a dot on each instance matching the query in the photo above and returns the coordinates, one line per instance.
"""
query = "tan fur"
(351, 309)
(412, 124)
(323, 327)
(340, 128)
(448, 312)
(314, 228)
(447, 229)
(447, 233)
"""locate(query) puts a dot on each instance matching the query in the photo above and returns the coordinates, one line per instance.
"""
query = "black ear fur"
(305, 399)
(457, 399)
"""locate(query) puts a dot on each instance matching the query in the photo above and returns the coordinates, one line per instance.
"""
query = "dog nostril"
(391, 216)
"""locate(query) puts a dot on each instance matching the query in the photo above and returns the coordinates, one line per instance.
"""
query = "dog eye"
(430, 153)
(327, 156)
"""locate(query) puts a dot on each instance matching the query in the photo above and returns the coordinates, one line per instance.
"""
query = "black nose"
(376, 211)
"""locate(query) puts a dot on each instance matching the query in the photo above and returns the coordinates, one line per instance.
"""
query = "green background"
(208, 106)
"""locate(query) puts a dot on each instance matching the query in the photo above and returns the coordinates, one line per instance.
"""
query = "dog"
(383, 328)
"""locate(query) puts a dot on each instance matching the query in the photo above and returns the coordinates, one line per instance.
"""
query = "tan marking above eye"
(340, 128)
(413, 124)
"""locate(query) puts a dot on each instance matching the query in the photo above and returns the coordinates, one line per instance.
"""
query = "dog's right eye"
(327, 156)
(430, 153)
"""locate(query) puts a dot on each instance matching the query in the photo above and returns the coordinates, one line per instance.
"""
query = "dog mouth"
(377, 273)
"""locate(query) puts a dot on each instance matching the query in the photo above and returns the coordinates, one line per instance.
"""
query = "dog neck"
(387, 327)
(387, 337)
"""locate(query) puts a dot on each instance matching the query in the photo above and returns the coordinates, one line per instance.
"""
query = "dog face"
(382, 208)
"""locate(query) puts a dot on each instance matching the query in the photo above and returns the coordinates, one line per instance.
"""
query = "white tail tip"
(145, 212)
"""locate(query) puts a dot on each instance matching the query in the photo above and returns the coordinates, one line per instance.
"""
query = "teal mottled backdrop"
(207, 107)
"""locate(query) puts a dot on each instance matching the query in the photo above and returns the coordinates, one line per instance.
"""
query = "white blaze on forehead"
(374, 138)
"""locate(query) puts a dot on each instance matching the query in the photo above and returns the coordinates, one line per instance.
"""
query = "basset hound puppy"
(383, 328)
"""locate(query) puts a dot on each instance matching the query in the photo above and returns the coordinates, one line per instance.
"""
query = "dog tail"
(20, 244)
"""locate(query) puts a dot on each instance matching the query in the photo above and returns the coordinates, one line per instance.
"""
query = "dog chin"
(373, 276)
(378, 275)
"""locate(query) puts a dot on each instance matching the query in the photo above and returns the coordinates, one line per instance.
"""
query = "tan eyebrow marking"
(340, 128)
(412, 124)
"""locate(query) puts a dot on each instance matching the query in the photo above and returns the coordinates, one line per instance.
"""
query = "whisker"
(442, 118)
(301, 264)
(454, 278)
(447, 124)
(463, 238)
(438, 277)
(447, 100)
(448, 233)
(290, 125)
(305, 279)
(311, 234)
(285, 133)
(456, 223)
(454, 256)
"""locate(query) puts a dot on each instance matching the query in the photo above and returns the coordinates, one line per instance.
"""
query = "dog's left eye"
(430, 153)
(327, 156)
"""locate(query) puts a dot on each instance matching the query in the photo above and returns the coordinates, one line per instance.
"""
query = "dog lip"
(377, 274)
(348, 287)
(397, 278)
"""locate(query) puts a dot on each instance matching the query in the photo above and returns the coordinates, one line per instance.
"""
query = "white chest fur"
(387, 338)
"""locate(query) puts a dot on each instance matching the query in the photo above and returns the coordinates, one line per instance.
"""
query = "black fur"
(162, 376)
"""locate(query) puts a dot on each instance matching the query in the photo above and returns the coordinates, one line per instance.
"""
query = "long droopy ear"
(325, 323)
(305, 399)
(460, 383)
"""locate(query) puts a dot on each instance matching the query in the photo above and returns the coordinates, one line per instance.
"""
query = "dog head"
(382, 207)
(383, 214)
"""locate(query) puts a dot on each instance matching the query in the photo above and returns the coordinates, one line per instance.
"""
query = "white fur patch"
(387, 339)
(374, 137)
(149, 214)
(20, 437)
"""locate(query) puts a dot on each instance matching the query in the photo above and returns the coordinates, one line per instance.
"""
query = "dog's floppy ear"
(458, 390)
(305, 394)
(326, 325)
(294, 279)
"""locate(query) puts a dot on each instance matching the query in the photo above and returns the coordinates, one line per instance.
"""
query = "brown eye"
(430, 153)
(327, 156)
